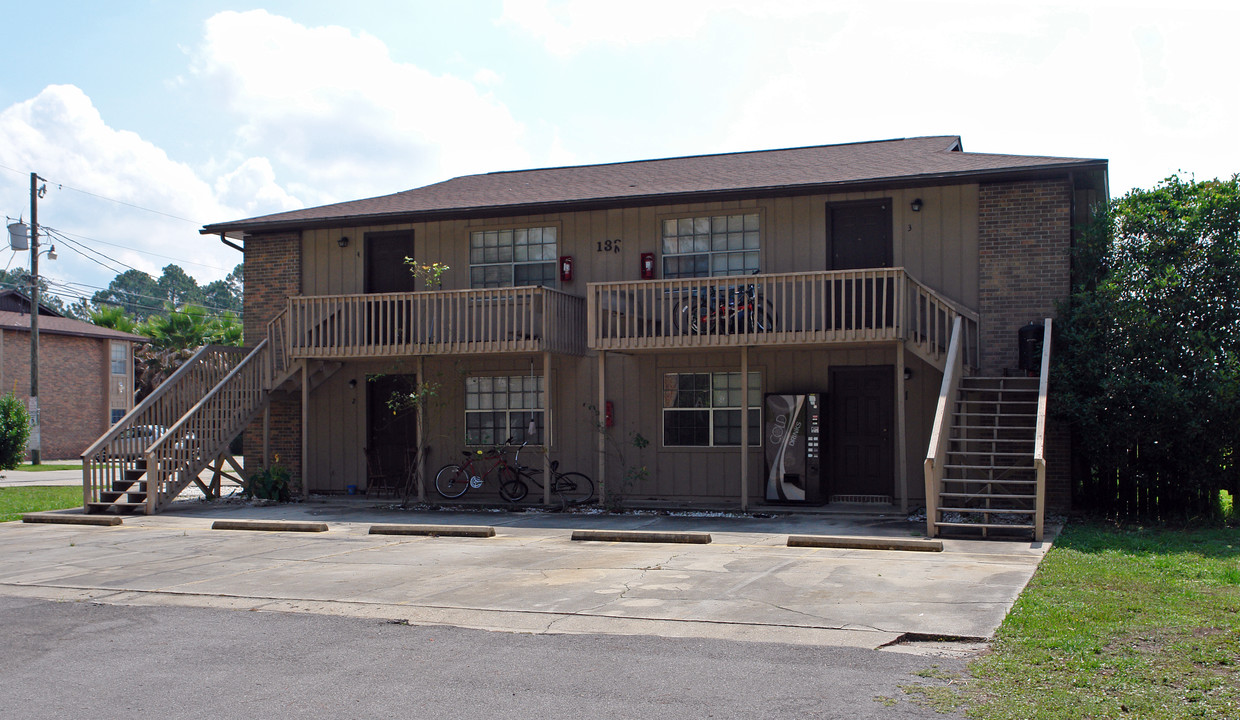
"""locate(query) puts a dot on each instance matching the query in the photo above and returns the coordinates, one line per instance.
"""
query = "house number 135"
(611, 246)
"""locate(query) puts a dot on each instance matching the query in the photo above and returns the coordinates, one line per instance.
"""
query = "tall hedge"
(1147, 369)
(14, 431)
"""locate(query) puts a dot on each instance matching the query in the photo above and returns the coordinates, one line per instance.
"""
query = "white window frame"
(717, 245)
(715, 402)
(482, 397)
(507, 249)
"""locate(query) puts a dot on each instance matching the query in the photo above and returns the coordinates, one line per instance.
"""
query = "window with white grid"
(710, 245)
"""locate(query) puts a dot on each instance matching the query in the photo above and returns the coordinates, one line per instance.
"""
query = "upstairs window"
(512, 258)
(710, 245)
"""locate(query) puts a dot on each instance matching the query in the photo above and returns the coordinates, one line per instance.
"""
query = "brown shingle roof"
(63, 326)
(792, 169)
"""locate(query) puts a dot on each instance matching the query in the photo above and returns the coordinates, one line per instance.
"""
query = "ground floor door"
(391, 435)
(861, 432)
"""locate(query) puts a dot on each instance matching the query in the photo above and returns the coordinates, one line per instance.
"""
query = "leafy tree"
(133, 291)
(177, 287)
(113, 317)
(1148, 370)
(175, 337)
(14, 431)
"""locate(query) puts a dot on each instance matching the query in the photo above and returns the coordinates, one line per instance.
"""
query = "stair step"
(998, 526)
(959, 466)
(1022, 428)
(977, 481)
(92, 507)
(988, 511)
(1027, 441)
(987, 496)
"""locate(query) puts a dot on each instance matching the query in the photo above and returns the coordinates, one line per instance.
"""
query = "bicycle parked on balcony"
(724, 311)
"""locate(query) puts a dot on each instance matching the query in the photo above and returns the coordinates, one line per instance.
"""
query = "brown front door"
(860, 419)
(386, 270)
(859, 237)
(390, 435)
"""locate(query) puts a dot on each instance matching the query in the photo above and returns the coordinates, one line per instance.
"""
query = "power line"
(142, 252)
(62, 186)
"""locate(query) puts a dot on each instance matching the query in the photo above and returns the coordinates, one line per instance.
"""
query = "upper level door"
(859, 235)
(386, 270)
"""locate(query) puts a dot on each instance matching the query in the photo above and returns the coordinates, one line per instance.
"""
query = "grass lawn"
(15, 501)
(1120, 622)
(44, 467)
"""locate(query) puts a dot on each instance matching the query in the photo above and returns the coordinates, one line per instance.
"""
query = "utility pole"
(36, 442)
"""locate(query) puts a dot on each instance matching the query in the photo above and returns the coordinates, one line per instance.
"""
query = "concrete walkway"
(530, 576)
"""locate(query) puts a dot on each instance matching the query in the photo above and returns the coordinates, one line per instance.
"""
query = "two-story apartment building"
(667, 299)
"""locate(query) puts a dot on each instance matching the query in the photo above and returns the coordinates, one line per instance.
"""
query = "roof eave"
(482, 211)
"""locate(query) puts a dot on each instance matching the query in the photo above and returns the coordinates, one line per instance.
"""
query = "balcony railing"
(502, 320)
(809, 308)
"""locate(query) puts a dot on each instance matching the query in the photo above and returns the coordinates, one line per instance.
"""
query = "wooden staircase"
(990, 480)
(985, 468)
(161, 446)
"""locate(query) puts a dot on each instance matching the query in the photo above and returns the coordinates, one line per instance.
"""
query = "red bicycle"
(454, 480)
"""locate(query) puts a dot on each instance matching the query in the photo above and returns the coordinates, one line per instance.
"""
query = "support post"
(601, 425)
(419, 455)
(744, 428)
(305, 422)
(546, 456)
(901, 431)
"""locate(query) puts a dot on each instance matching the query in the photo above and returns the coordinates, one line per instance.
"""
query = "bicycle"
(723, 311)
(573, 488)
(453, 480)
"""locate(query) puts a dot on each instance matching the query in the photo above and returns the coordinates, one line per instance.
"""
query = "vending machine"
(793, 437)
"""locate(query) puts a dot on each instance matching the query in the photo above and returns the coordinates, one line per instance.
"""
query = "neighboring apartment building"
(85, 374)
(624, 295)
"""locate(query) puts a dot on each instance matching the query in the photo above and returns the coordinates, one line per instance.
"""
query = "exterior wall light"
(343, 241)
(916, 206)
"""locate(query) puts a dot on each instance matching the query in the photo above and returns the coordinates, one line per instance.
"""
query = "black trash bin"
(1030, 341)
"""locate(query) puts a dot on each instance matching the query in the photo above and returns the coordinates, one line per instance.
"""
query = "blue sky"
(204, 111)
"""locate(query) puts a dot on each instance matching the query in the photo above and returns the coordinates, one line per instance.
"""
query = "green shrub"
(14, 431)
(270, 483)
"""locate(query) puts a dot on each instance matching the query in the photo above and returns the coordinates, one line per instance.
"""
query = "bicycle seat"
(554, 464)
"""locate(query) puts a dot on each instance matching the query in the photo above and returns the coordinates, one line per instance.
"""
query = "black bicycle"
(573, 488)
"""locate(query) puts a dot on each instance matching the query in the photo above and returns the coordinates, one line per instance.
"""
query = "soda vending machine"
(793, 439)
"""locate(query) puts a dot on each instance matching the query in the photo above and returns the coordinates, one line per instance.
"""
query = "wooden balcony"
(450, 322)
(785, 309)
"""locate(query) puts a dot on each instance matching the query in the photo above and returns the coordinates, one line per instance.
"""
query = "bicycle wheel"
(574, 487)
(451, 481)
(511, 488)
(762, 319)
(685, 317)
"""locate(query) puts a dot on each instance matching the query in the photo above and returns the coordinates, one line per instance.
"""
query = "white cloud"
(103, 184)
(339, 118)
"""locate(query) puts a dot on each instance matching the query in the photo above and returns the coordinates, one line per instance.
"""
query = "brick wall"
(272, 275)
(1024, 249)
(73, 398)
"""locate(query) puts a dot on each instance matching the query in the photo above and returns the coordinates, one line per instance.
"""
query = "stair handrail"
(1039, 436)
(940, 433)
(952, 310)
(278, 335)
(162, 389)
(103, 464)
(255, 363)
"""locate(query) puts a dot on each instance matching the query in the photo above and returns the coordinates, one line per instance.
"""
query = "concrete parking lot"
(747, 584)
